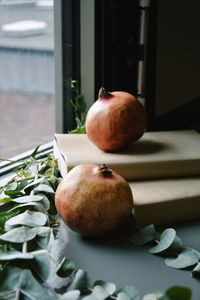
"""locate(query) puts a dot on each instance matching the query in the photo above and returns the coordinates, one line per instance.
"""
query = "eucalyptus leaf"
(45, 201)
(44, 188)
(177, 245)
(98, 293)
(80, 281)
(179, 293)
(187, 258)
(91, 296)
(13, 279)
(123, 296)
(29, 198)
(22, 185)
(6, 206)
(45, 238)
(108, 286)
(143, 236)
(130, 291)
(19, 235)
(65, 268)
(196, 271)
(166, 240)
(27, 218)
(15, 255)
(158, 295)
(30, 187)
(41, 263)
(38, 206)
(11, 186)
(71, 295)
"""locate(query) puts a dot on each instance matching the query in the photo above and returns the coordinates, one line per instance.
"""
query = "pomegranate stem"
(103, 93)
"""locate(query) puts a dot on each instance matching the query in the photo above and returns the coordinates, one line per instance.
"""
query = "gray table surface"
(114, 259)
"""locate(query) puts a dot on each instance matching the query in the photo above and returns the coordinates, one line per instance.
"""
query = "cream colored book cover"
(166, 201)
(155, 155)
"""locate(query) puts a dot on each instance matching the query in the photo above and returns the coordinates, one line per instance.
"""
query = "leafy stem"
(79, 106)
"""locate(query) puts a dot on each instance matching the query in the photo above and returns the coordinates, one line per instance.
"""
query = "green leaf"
(98, 293)
(5, 200)
(158, 295)
(179, 293)
(11, 186)
(122, 296)
(35, 151)
(41, 264)
(33, 184)
(44, 188)
(71, 295)
(28, 218)
(45, 202)
(6, 206)
(22, 185)
(32, 205)
(144, 235)
(78, 130)
(65, 268)
(13, 279)
(166, 240)
(19, 235)
(45, 238)
(177, 246)
(13, 193)
(196, 271)
(187, 258)
(90, 297)
(130, 291)
(108, 286)
(4, 216)
(26, 199)
(15, 255)
(80, 281)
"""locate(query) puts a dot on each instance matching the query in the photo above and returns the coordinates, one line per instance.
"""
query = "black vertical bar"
(151, 65)
(71, 56)
(116, 44)
(99, 46)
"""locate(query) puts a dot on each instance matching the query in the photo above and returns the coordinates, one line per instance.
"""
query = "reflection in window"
(26, 75)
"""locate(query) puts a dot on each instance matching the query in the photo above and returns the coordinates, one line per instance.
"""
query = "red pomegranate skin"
(92, 203)
(115, 121)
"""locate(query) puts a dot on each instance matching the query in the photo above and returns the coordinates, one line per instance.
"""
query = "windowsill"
(8, 165)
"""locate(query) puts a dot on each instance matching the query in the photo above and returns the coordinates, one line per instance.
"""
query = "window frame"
(74, 56)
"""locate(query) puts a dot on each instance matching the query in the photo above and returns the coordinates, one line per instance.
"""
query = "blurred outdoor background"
(26, 75)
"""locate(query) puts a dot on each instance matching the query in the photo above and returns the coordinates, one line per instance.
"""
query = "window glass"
(26, 75)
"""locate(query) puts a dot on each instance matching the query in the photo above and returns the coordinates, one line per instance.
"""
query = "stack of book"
(162, 168)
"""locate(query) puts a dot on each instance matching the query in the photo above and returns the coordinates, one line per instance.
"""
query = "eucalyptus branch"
(27, 295)
(24, 247)
(17, 294)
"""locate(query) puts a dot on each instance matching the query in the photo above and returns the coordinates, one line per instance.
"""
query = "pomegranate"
(115, 120)
(93, 200)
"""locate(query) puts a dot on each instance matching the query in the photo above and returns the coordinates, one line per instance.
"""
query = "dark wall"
(173, 85)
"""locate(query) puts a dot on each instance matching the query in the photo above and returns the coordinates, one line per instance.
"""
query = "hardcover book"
(155, 155)
(166, 201)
